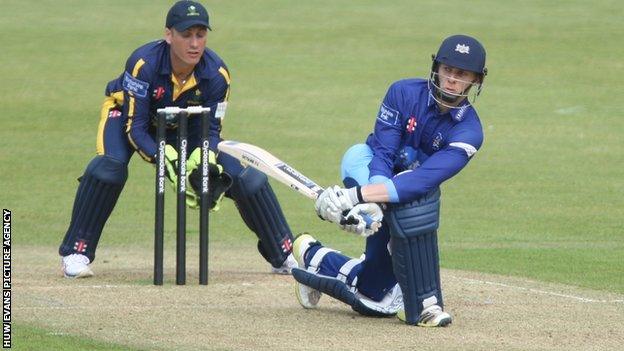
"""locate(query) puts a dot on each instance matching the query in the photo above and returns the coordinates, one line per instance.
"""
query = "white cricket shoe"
(76, 266)
(389, 305)
(286, 266)
(432, 316)
(307, 297)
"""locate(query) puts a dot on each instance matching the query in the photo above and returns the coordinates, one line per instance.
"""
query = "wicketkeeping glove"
(219, 182)
(171, 165)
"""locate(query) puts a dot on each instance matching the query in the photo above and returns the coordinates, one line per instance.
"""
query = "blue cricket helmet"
(463, 52)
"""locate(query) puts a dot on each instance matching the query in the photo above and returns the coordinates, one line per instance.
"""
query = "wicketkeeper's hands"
(219, 181)
(363, 219)
(332, 202)
(171, 165)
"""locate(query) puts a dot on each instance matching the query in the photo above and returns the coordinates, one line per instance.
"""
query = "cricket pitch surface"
(244, 307)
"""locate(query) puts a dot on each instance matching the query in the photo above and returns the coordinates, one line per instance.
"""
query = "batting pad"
(414, 245)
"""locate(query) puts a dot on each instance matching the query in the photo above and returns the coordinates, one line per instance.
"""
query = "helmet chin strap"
(445, 99)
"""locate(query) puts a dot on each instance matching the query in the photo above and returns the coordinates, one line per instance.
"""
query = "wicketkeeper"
(426, 132)
(176, 71)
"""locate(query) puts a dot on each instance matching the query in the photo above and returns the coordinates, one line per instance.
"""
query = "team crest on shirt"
(195, 99)
(437, 142)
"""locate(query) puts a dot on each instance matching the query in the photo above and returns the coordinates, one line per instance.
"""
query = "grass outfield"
(543, 199)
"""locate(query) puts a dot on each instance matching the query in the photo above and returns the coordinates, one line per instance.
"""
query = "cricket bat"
(265, 162)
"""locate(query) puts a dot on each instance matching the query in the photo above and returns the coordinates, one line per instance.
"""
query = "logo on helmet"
(462, 49)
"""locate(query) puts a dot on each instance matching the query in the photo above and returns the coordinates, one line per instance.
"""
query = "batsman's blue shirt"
(415, 146)
(148, 84)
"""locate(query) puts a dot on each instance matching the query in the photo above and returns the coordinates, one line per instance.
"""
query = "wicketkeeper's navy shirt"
(148, 84)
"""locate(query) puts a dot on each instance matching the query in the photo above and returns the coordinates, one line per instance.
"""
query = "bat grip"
(369, 221)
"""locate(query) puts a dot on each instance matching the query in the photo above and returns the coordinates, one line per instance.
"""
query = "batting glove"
(363, 219)
(334, 200)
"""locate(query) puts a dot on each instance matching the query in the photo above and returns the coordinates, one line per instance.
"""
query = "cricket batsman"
(177, 70)
(426, 131)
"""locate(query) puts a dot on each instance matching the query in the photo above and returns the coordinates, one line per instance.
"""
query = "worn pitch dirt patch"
(245, 308)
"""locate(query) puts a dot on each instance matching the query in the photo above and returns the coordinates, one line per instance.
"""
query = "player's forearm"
(375, 193)
(412, 184)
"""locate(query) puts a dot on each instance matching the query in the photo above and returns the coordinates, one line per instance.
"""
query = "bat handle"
(370, 223)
